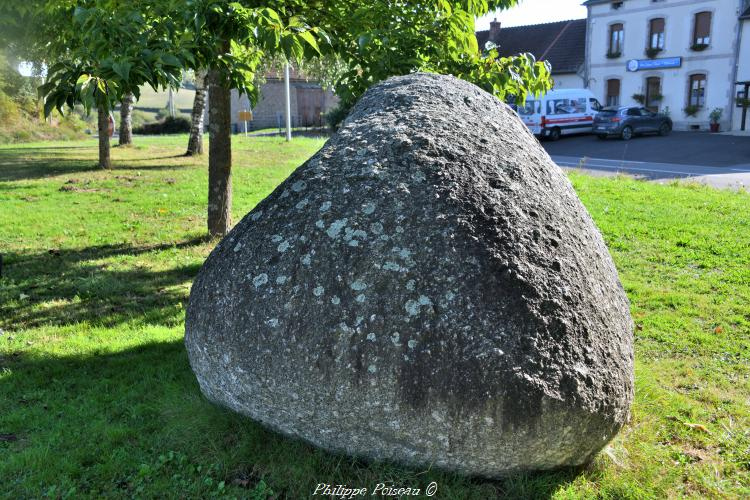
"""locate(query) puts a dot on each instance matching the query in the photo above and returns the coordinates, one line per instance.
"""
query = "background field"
(183, 99)
(151, 102)
(97, 398)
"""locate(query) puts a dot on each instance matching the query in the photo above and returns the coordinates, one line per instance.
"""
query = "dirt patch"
(76, 189)
(127, 178)
(700, 454)
(76, 186)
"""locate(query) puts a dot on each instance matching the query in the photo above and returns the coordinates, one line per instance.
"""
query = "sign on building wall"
(666, 62)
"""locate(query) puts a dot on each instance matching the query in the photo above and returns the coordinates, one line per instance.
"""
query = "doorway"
(310, 106)
(653, 93)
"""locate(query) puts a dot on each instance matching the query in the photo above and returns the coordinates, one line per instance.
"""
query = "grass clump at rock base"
(97, 397)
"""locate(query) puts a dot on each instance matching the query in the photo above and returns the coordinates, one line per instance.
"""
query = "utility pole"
(170, 103)
(287, 96)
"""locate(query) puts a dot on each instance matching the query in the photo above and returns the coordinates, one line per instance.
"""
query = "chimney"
(494, 30)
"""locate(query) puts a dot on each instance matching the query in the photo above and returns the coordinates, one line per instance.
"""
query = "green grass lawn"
(97, 397)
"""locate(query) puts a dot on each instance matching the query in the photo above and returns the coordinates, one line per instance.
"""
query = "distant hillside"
(22, 122)
(20, 111)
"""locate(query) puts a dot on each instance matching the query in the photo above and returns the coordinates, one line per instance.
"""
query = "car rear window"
(608, 112)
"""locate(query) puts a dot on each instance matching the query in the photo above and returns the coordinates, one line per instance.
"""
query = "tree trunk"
(103, 123)
(195, 142)
(126, 119)
(219, 156)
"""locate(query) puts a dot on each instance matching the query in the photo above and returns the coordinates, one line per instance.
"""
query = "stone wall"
(269, 111)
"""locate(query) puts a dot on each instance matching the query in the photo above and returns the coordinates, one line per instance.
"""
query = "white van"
(560, 112)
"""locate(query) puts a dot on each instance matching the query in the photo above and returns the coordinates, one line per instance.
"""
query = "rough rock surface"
(428, 289)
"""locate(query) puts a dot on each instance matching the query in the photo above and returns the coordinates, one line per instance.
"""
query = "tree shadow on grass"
(61, 287)
(168, 157)
(16, 167)
(28, 164)
(114, 415)
(151, 168)
(43, 148)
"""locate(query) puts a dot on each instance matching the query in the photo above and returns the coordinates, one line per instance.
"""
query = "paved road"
(682, 148)
(717, 160)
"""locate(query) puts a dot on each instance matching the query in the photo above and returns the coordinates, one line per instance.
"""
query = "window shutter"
(702, 25)
(657, 26)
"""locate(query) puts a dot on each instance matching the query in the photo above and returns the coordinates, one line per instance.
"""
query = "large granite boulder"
(427, 289)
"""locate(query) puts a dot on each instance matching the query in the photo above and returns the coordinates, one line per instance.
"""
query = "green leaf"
(122, 69)
(49, 105)
(171, 60)
(310, 39)
(84, 78)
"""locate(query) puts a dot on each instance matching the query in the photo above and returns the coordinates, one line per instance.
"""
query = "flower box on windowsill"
(613, 55)
(639, 98)
(699, 47)
(652, 52)
(691, 110)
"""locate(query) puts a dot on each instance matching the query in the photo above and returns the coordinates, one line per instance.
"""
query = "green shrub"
(336, 116)
(139, 118)
(9, 110)
(163, 113)
(176, 125)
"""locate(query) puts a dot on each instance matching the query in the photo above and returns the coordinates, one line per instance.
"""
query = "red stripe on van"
(570, 120)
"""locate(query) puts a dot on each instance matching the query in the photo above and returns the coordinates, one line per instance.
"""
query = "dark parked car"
(625, 122)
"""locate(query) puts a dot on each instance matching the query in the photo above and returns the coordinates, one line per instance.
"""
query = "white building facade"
(681, 57)
(743, 72)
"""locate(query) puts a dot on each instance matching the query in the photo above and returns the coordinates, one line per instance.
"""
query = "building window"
(615, 40)
(656, 34)
(697, 91)
(653, 93)
(702, 31)
(613, 92)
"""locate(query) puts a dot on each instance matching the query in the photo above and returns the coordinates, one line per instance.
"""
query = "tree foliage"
(107, 49)
(375, 40)
(232, 38)
(102, 49)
